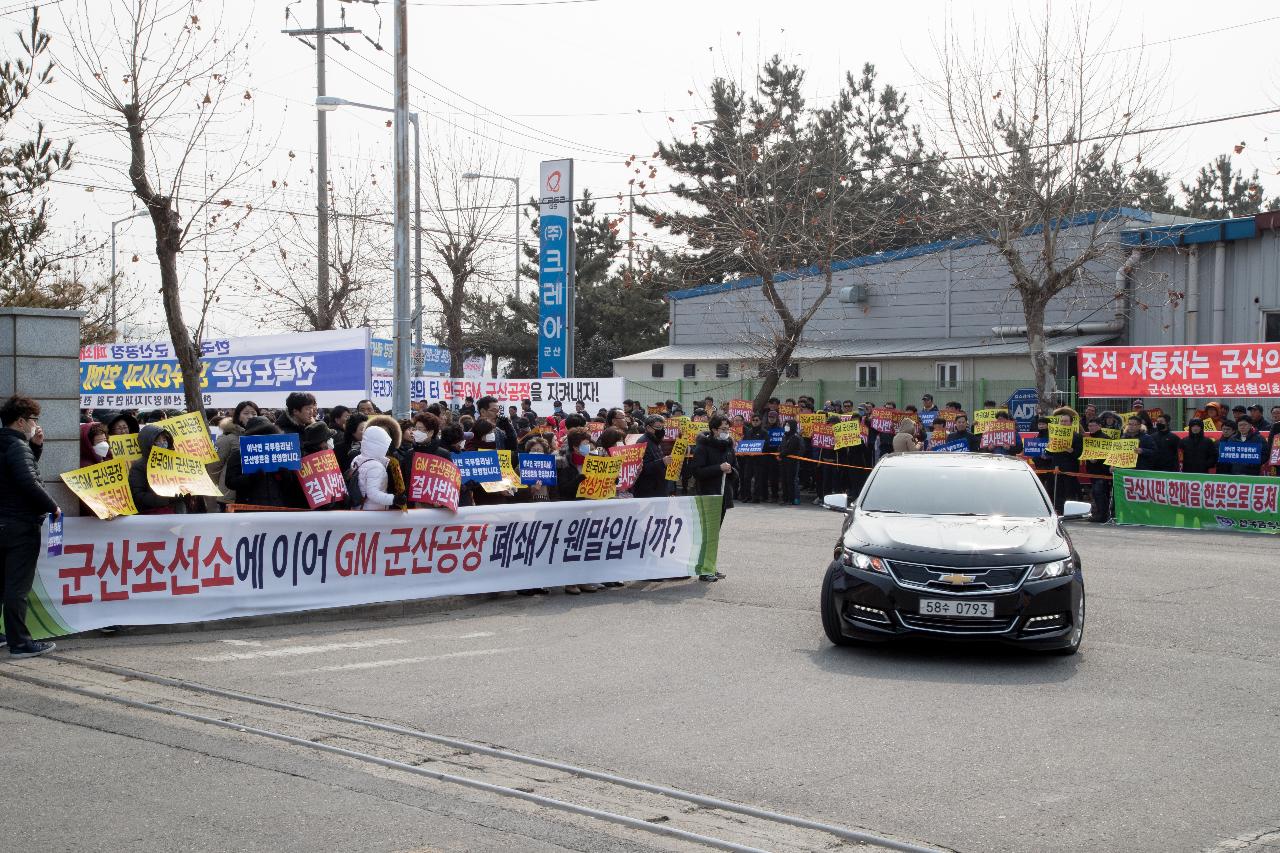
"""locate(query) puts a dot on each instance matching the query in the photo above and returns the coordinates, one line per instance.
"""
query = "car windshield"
(946, 490)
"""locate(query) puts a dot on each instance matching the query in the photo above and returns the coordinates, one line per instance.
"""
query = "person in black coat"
(23, 505)
(1100, 489)
(1066, 487)
(1199, 452)
(263, 488)
(652, 482)
(144, 497)
(789, 467)
(1158, 450)
(714, 465)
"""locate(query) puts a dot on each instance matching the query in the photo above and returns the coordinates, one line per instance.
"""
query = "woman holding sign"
(144, 497)
(714, 465)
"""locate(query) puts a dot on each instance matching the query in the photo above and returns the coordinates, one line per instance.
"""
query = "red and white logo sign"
(553, 182)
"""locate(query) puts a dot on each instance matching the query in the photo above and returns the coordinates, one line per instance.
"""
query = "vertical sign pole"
(556, 262)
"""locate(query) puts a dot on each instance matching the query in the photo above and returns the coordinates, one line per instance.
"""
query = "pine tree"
(1220, 192)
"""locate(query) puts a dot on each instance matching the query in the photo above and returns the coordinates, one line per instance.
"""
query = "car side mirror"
(836, 502)
(1075, 510)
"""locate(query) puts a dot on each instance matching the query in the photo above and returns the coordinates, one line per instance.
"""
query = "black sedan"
(961, 546)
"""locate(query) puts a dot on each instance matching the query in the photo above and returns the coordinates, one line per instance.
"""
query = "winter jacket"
(87, 454)
(1199, 453)
(370, 466)
(263, 488)
(1067, 460)
(144, 498)
(708, 455)
(792, 445)
(1240, 468)
(904, 441)
(287, 424)
(1158, 451)
(227, 444)
(23, 497)
(652, 482)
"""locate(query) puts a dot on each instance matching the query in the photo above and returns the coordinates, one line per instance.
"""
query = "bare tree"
(359, 258)
(158, 77)
(1027, 130)
(463, 242)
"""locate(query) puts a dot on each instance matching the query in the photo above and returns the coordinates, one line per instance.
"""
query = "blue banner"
(927, 417)
(478, 466)
(959, 445)
(556, 259)
(750, 445)
(383, 357)
(333, 365)
(775, 437)
(1239, 453)
(538, 468)
(270, 453)
(1022, 406)
(1034, 447)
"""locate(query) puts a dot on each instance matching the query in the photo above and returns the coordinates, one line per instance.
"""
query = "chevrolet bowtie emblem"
(957, 579)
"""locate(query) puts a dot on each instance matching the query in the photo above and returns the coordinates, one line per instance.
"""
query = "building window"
(690, 371)
(867, 374)
(1271, 327)
(722, 370)
(657, 370)
(948, 374)
(792, 371)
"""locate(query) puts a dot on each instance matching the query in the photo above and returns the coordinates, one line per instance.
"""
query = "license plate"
(971, 609)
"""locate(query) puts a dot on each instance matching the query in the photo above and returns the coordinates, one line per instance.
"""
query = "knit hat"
(316, 433)
(376, 442)
(259, 426)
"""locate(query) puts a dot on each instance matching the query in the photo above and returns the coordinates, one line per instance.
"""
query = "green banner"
(1197, 501)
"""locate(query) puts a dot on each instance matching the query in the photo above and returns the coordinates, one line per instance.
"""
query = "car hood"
(960, 537)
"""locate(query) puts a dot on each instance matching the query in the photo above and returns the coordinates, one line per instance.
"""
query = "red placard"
(884, 420)
(321, 478)
(998, 438)
(434, 480)
(632, 461)
(824, 437)
(1219, 370)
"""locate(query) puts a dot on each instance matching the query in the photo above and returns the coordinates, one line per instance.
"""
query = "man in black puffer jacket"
(1199, 452)
(715, 469)
(1158, 450)
(23, 505)
(652, 482)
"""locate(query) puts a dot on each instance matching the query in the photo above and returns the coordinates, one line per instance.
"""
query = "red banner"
(321, 478)
(434, 480)
(1224, 370)
(632, 461)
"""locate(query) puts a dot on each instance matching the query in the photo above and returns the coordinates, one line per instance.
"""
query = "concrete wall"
(40, 358)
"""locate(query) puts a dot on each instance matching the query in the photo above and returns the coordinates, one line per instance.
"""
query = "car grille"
(953, 625)
(985, 580)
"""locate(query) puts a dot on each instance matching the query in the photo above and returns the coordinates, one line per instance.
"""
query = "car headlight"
(858, 560)
(1056, 569)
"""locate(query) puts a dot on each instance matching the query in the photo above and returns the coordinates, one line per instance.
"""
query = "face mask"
(1162, 427)
(420, 437)
(329, 444)
(460, 445)
(161, 444)
(488, 438)
(584, 449)
(102, 448)
(724, 435)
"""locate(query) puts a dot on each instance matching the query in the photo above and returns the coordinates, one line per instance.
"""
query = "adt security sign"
(1023, 405)
(556, 254)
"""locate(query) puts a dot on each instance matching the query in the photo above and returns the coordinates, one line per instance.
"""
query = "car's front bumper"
(873, 606)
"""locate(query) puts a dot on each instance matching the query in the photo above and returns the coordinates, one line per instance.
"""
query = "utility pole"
(325, 312)
(400, 102)
(631, 234)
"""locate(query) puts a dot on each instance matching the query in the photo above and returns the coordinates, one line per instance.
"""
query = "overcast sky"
(600, 80)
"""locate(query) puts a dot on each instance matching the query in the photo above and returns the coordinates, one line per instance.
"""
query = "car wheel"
(830, 618)
(1077, 633)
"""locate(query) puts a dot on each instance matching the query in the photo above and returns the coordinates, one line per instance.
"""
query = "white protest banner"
(596, 393)
(332, 365)
(169, 569)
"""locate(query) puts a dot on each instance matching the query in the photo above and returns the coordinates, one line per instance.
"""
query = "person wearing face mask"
(1247, 436)
(144, 498)
(94, 447)
(652, 482)
(789, 466)
(1199, 452)
(424, 437)
(714, 465)
(23, 505)
(1158, 449)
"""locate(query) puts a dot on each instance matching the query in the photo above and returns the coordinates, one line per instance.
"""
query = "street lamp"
(114, 331)
(329, 103)
(475, 176)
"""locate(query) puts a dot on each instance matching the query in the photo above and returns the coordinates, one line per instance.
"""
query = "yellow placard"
(1110, 433)
(691, 430)
(597, 489)
(510, 478)
(1123, 453)
(1124, 416)
(679, 451)
(602, 466)
(125, 446)
(104, 488)
(1095, 448)
(982, 419)
(808, 420)
(1060, 438)
(171, 474)
(1209, 425)
(191, 437)
(848, 434)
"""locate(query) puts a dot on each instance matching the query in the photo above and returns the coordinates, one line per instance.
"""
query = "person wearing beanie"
(1199, 451)
(316, 437)
(370, 466)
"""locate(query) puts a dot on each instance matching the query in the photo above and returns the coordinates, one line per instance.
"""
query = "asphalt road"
(1160, 735)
